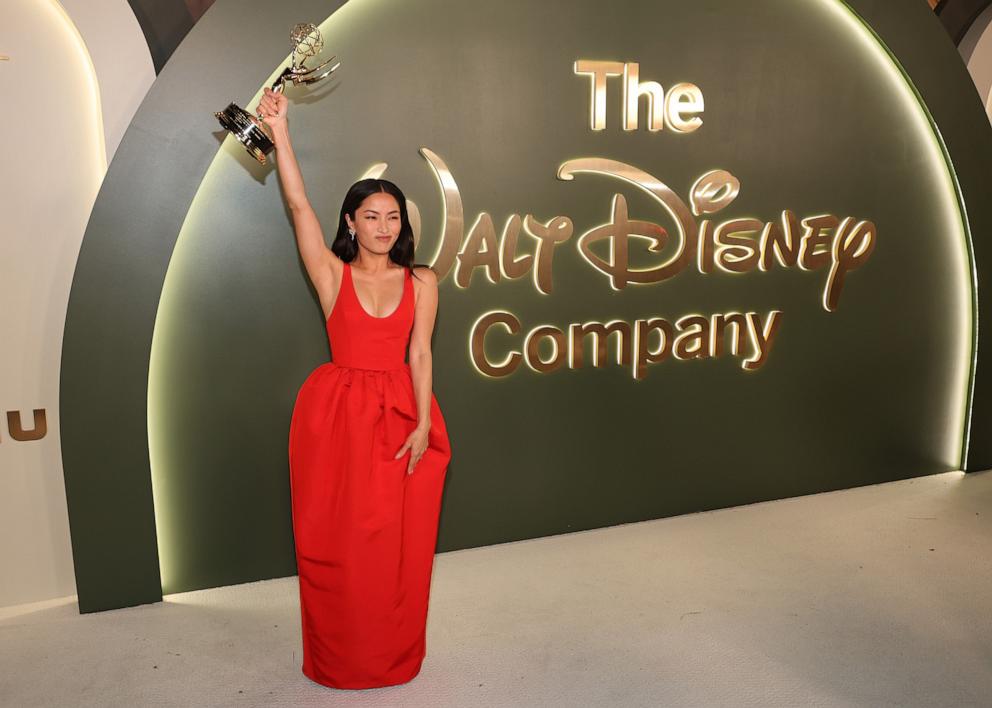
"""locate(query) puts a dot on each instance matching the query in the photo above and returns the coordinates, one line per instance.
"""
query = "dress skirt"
(365, 530)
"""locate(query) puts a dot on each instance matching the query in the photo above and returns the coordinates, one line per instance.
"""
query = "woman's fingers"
(414, 459)
(272, 105)
(415, 452)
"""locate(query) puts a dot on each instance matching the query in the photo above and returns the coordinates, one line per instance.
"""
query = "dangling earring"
(351, 232)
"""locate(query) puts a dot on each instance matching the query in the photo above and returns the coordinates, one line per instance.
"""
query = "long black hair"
(346, 248)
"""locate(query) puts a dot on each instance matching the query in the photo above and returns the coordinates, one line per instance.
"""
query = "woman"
(368, 447)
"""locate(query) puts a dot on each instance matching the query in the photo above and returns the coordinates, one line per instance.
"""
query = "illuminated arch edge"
(157, 386)
(94, 84)
(962, 214)
(844, 8)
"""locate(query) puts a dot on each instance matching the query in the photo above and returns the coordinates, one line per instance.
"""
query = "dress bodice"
(360, 340)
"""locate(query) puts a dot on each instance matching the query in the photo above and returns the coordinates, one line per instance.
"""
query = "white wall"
(120, 56)
(76, 76)
(976, 50)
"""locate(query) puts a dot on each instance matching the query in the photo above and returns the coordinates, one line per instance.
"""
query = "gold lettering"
(736, 252)
(645, 355)
(780, 242)
(762, 338)
(721, 324)
(453, 229)
(600, 334)
(815, 250)
(512, 266)
(633, 89)
(713, 192)
(706, 247)
(558, 345)
(549, 235)
(693, 339)
(547, 348)
(684, 99)
(16, 427)
(480, 251)
(477, 344)
(598, 71)
(619, 232)
(663, 195)
(853, 245)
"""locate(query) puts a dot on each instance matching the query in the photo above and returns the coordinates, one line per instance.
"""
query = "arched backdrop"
(190, 324)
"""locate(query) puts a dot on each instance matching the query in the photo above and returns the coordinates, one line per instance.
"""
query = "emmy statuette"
(307, 43)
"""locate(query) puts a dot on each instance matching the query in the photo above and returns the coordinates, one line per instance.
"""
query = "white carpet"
(877, 596)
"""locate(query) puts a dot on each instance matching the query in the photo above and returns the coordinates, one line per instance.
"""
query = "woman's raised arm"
(323, 267)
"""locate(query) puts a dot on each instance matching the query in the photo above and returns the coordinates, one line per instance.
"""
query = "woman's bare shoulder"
(425, 275)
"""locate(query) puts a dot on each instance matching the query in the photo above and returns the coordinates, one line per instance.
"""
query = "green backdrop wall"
(191, 325)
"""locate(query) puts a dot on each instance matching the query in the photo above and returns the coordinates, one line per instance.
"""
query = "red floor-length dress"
(365, 529)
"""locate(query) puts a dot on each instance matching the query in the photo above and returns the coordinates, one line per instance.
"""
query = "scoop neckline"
(359, 300)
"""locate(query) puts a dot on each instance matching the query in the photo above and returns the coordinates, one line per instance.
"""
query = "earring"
(351, 232)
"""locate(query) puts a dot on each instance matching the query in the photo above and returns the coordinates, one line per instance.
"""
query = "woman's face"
(376, 223)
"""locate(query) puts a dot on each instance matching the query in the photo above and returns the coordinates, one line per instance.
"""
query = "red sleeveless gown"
(365, 530)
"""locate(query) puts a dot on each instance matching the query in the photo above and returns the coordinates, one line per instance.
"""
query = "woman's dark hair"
(346, 248)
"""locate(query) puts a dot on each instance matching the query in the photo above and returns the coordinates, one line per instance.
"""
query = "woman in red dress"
(368, 449)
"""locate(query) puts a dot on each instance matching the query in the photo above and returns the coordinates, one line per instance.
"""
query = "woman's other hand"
(416, 443)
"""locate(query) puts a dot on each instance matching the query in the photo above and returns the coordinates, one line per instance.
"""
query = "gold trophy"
(307, 43)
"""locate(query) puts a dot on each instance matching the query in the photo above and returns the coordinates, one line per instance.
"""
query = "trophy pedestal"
(240, 123)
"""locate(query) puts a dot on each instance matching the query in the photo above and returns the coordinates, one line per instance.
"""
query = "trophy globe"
(307, 42)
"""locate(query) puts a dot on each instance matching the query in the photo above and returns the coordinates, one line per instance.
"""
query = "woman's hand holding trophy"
(273, 107)
(272, 110)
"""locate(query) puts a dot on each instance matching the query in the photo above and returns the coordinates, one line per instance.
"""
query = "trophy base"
(242, 126)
